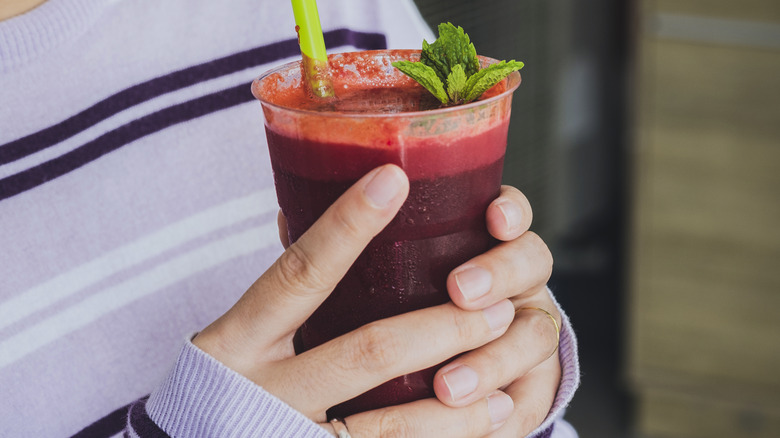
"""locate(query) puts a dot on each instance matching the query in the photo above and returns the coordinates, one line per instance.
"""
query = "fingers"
(509, 215)
(533, 395)
(430, 418)
(375, 353)
(508, 270)
(532, 339)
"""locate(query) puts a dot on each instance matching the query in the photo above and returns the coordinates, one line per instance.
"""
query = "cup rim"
(513, 82)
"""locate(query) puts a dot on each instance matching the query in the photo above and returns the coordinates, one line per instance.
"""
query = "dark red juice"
(453, 159)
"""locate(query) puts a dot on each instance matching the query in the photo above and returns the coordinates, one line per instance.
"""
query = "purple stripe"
(112, 140)
(107, 426)
(115, 139)
(165, 84)
(141, 424)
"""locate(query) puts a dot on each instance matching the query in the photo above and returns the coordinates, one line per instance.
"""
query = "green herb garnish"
(449, 68)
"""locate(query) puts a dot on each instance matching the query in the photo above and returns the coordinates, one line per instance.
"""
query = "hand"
(524, 362)
(254, 337)
(521, 362)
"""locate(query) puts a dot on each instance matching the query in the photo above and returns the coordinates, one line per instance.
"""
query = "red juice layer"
(421, 157)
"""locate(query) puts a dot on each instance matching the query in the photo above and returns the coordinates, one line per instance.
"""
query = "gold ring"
(552, 318)
(340, 427)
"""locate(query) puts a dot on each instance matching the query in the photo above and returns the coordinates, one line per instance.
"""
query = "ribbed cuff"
(570, 373)
(204, 398)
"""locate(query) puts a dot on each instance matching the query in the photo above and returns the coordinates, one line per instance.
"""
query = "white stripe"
(716, 30)
(130, 431)
(161, 276)
(69, 283)
(133, 113)
(129, 427)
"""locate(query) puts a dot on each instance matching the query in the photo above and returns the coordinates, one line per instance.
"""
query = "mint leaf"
(450, 63)
(433, 56)
(456, 82)
(453, 47)
(426, 76)
(458, 48)
(486, 78)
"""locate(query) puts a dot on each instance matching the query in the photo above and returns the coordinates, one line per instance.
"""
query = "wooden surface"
(704, 334)
(668, 413)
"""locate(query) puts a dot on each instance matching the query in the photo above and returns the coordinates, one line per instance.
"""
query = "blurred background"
(646, 134)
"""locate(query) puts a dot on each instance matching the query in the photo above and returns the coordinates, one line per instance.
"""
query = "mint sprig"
(426, 76)
(449, 68)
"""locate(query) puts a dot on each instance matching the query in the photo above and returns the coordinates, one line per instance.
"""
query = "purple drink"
(453, 158)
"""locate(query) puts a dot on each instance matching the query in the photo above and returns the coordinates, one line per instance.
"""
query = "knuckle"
(543, 329)
(540, 325)
(377, 348)
(501, 365)
(348, 221)
(464, 326)
(296, 271)
(541, 253)
(394, 425)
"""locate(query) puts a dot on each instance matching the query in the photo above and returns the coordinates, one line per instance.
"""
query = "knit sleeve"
(204, 398)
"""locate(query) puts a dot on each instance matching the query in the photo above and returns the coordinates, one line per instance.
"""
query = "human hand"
(254, 337)
(524, 361)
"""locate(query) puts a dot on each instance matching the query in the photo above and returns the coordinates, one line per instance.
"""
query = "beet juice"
(452, 156)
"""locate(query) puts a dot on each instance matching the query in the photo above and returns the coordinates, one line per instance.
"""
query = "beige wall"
(704, 334)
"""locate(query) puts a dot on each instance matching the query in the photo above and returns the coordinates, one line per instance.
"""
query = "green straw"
(315, 59)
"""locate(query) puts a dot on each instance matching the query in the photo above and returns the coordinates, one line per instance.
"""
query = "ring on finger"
(340, 427)
(555, 323)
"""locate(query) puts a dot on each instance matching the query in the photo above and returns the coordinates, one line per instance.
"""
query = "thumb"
(306, 273)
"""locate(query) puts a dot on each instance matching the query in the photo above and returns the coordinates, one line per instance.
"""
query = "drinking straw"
(315, 59)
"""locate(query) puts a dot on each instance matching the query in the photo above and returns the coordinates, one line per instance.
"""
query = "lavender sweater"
(137, 204)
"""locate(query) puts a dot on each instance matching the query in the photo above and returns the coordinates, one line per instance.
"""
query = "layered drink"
(452, 156)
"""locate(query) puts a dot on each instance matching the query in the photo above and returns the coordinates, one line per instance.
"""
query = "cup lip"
(512, 86)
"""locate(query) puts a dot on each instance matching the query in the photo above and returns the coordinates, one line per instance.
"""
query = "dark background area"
(566, 152)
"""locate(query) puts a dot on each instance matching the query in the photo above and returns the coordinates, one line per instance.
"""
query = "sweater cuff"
(570, 376)
(202, 397)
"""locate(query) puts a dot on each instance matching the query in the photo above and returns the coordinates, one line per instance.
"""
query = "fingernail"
(383, 187)
(473, 282)
(500, 407)
(499, 315)
(461, 381)
(512, 214)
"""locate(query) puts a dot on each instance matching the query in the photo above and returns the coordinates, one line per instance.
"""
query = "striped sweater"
(137, 204)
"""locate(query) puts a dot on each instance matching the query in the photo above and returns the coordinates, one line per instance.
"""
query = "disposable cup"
(452, 156)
